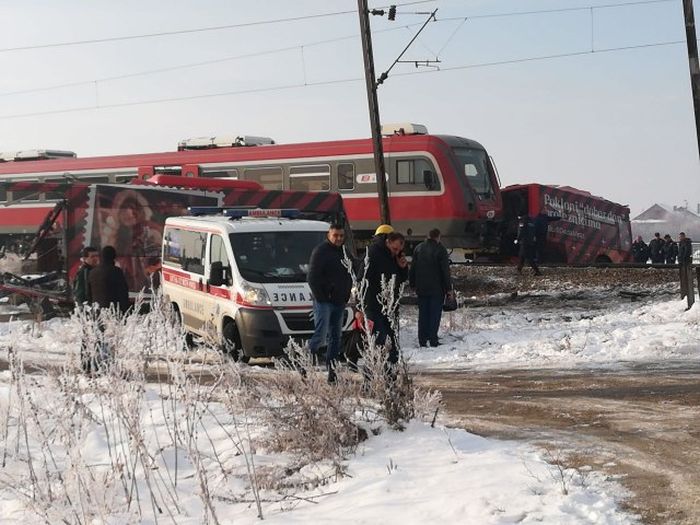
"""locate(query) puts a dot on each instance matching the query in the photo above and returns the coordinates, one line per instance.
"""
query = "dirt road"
(640, 423)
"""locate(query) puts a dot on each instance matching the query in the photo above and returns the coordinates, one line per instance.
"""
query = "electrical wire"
(339, 81)
(189, 31)
(463, 20)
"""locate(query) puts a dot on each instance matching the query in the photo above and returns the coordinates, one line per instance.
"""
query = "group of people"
(331, 283)
(99, 281)
(663, 250)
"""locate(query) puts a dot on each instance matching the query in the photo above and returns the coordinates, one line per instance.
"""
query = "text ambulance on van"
(240, 275)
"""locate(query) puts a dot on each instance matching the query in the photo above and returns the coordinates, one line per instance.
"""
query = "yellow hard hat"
(383, 229)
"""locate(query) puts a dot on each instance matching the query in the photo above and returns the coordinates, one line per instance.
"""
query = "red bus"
(591, 229)
(439, 181)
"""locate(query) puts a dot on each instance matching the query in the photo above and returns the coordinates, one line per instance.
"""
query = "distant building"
(666, 219)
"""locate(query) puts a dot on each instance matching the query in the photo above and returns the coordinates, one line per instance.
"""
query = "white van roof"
(247, 224)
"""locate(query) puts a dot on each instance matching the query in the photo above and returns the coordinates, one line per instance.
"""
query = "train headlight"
(490, 214)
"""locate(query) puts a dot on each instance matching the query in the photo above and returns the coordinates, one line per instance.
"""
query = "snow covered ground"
(426, 474)
(523, 336)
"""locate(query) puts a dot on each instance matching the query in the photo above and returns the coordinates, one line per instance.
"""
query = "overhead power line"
(188, 31)
(297, 85)
(201, 63)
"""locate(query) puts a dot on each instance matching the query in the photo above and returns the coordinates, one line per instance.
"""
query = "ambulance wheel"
(189, 338)
(232, 342)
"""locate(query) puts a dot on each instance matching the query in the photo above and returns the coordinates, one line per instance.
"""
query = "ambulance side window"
(185, 249)
(218, 254)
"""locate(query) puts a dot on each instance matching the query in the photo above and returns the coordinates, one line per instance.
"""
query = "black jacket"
(685, 251)
(656, 250)
(430, 269)
(107, 286)
(640, 251)
(670, 251)
(328, 278)
(541, 224)
(80, 285)
(381, 264)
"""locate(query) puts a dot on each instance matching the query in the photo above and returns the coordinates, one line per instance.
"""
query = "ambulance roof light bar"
(240, 212)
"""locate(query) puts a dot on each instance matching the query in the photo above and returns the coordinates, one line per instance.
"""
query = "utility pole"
(371, 84)
(691, 41)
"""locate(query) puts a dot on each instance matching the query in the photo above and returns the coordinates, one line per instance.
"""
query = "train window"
(3, 195)
(417, 172)
(220, 173)
(310, 178)
(269, 178)
(477, 169)
(346, 176)
(54, 195)
(404, 172)
(26, 195)
(123, 179)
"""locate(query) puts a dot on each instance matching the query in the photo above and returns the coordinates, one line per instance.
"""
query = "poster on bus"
(132, 219)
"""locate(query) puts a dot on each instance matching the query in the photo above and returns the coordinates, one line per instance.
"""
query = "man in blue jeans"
(430, 277)
(330, 284)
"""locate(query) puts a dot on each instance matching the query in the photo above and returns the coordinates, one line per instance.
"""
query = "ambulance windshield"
(274, 257)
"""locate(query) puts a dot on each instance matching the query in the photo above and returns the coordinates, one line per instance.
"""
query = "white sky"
(619, 124)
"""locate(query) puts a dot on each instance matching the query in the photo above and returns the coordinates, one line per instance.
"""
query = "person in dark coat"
(107, 283)
(541, 224)
(429, 276)
(90, 259)
(685, 250)
(656, 249)
(330, 282)
(526, 244)
(640, 250)
(670, 250)
(386, 260)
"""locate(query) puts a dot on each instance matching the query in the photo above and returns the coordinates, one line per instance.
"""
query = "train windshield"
(476, 167)
(274, 257)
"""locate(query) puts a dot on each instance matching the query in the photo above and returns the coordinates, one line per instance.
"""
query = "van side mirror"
(429, 179)
(216, 274)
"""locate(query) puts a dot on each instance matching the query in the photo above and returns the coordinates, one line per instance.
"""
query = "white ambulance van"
(240, 276)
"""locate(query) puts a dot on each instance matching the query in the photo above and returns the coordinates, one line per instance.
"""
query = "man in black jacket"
(430, 277)
(90, 259)
(107, 284)
(386, 260)
(541, 224)
(330, 283)
(526, 244)
(656, 249)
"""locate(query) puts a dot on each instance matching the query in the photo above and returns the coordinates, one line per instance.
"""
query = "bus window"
(310, 178)
(220, 173)
(477, 169)
(346, 176)
(269, 178)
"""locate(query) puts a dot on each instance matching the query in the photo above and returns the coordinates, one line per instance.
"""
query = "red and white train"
(441, 181)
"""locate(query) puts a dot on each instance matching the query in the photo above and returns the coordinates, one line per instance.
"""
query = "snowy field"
(417, 475)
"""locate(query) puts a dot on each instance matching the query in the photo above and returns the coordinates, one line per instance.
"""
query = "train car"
(439, 181)
(590, 230)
